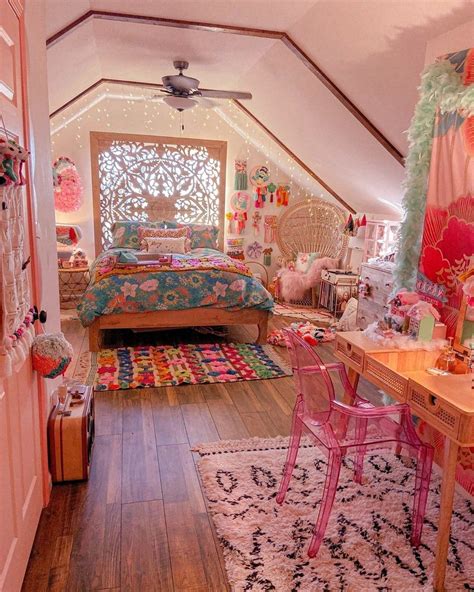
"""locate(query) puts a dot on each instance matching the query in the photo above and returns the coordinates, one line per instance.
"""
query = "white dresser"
(375, 287)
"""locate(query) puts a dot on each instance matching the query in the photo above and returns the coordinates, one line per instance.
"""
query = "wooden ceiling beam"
(246, 31)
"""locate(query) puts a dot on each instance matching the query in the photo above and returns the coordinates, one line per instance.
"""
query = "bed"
(137, 178)
(201, 288)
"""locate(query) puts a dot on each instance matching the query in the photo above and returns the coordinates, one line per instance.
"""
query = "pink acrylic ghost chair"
(338, 428)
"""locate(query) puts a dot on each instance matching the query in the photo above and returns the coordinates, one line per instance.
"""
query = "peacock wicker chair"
(311, 226)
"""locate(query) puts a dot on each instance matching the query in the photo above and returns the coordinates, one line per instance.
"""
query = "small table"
(444, 402)
(73, 282)
(334, 295)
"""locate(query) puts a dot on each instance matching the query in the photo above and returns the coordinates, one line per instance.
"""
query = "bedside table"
(335, 289)
(72, 284)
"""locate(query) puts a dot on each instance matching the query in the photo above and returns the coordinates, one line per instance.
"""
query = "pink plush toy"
(294, 283)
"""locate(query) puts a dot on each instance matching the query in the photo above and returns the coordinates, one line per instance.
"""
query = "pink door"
(21, 479)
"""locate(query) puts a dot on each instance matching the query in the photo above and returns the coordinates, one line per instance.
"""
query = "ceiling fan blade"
(206, 103)
(224, 94)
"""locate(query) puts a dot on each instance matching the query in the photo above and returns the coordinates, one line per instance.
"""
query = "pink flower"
(149, 285)
(129, 289)
(220, 289)
(238, 285)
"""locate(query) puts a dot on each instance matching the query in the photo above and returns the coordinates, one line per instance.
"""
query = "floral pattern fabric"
(125, 233)
(172, 290)
(202, 236)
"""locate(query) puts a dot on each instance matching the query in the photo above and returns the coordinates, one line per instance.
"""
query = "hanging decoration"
(441, 89)
(240, 178)
(240, 220)
(271, 190)
(16, 316)
(283, 194)
(350, 226)
(254, 250)
(240, 203)
(68, 190)
(229, 217)
(267, 256)
(235, 248)
(259, 178)
(51, 354)
(256, 219)
(270, 225)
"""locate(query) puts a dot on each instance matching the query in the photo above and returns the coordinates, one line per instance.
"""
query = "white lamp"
(180, 103)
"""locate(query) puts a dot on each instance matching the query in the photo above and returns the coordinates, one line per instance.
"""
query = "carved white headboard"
(138, 177)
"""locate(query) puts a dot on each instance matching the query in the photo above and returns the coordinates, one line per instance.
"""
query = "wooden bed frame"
(174, 319)
(169, 319)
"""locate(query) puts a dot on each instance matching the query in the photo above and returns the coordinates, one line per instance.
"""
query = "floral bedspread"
(224, 285)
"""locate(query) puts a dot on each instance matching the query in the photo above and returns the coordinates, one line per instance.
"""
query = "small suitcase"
(71, 435)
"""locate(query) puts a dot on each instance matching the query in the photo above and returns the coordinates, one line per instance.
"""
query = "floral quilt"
(219, 283)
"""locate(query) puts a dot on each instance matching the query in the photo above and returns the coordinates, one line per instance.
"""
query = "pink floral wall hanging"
(68, 189)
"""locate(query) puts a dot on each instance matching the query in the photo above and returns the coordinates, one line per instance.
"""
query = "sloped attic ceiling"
(373, 50)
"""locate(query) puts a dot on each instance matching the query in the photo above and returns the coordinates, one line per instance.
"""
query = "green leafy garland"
(441, 88)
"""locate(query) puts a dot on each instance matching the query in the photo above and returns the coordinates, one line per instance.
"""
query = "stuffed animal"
(309, 332)
(8, 154)
(23, 155)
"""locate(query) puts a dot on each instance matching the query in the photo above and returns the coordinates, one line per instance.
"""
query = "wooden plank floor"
(140, 523)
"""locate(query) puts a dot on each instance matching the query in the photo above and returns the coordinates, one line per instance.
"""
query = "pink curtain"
(448, 235)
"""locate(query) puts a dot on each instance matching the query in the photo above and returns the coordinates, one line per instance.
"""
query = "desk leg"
(353, 377)
(446, 510)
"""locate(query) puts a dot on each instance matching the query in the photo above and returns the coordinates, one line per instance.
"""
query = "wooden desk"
(445, 402)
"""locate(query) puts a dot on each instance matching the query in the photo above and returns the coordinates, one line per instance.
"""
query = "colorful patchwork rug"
(165, 365)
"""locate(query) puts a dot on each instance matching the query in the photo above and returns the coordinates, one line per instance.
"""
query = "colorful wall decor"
(270, 225)
(256, 220)
(283, 194)
(235, 248)
(254, 250)
(267, 256)
(240, 203)
(68, 190)
(240, 175)
(259, 178)
(271, 190)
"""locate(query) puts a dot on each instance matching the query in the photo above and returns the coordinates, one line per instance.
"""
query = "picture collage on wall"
(254, 192)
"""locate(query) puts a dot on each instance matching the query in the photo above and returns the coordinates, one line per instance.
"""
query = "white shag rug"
(367, 542)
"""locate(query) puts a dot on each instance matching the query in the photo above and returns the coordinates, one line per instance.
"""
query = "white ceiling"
(374, 50)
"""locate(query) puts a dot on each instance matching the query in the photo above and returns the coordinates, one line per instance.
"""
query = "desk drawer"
(387, 379)
(436, 412)
(350, 354)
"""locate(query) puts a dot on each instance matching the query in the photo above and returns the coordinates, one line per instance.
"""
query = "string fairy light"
(101, 106)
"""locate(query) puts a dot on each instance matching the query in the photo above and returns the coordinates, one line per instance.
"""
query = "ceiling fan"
(183, 92)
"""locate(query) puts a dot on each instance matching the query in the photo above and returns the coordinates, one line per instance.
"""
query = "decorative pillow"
(125, 233)
(304, 261)
(166, 245)
(145, 233)
(203, 236)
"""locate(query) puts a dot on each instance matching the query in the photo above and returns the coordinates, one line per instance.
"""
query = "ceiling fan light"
(180, 103)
